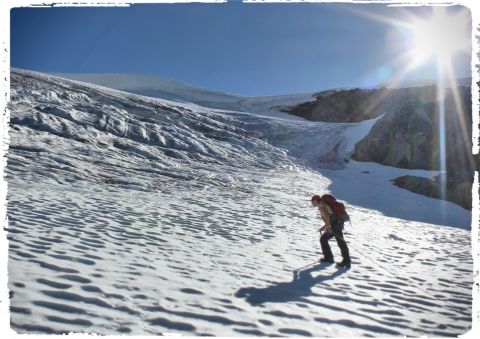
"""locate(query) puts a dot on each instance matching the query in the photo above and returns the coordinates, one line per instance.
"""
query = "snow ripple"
(190, 262)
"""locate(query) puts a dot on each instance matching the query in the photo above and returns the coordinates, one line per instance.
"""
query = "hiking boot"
(344, 263)
(326, 260)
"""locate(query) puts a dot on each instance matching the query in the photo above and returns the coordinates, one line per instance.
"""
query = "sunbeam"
(438, 38)
(441, 36)
(460, 110)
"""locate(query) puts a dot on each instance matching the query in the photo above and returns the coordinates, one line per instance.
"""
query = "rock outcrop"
(408, 134)
(457, 189)
(413, 137)
(356, 105)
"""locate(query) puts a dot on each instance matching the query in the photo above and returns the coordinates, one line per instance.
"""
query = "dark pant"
(327, 251)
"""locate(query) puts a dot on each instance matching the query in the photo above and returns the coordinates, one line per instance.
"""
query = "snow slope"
(165, 88)
(135, 215)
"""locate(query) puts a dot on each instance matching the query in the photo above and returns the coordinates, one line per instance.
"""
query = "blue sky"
(248, 49)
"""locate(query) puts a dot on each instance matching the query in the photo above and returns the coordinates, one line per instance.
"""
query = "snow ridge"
(164, 88)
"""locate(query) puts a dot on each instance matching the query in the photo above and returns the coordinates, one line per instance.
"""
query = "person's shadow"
(295, 290)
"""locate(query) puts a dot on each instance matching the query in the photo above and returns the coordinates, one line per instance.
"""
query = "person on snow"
(333, 228)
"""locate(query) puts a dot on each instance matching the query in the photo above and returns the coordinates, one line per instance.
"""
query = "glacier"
(129, 214)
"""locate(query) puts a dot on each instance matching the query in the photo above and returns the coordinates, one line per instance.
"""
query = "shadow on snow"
(281, 292)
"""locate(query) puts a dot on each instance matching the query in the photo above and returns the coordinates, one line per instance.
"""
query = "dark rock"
(457, 190)
(408, 134)
(410, 137)
(356, 105)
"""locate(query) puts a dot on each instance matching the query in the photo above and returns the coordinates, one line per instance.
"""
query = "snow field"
(134, 215)
(222, 262)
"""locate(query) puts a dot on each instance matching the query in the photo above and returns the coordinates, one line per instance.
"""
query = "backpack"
(337, 207)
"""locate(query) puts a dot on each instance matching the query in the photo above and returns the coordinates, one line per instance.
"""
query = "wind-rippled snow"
(133, 215)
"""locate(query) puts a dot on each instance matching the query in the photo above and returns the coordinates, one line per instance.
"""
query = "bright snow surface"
(136, 215)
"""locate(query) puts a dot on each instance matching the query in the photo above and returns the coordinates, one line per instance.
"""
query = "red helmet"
(316, 198)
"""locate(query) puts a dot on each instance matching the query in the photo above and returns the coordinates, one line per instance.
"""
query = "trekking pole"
(304, 267)
(313, 263)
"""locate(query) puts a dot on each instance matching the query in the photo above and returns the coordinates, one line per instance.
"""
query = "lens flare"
(442, 36)
(438, 38)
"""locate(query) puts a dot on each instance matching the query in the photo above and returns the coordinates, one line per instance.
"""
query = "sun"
(434, 40)
(442, 36)
(440, 33)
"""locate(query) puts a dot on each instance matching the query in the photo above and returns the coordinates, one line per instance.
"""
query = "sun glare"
(434, 40)
(441, 36)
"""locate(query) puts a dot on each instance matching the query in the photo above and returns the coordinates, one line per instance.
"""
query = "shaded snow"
(135, 215)
(369, 185)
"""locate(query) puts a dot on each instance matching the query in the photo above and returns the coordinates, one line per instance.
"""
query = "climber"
(334, 219)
